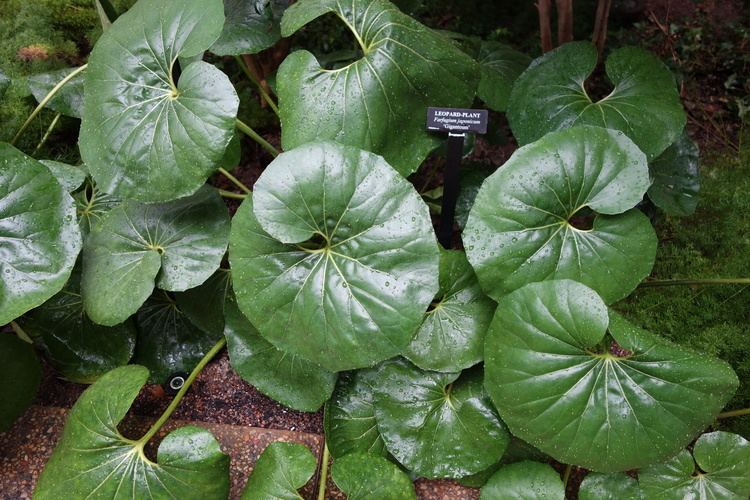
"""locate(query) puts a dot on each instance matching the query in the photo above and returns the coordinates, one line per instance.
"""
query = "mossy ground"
(714, 242)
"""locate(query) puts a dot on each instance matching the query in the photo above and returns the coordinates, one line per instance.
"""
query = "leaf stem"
(566, 475)
(234, 180)
(323, 472)
(255, 81)
(181, 393)
(715, 281)
(229, 194)
(245, 129)
(46, 100)
(734, 413)
(47, 134)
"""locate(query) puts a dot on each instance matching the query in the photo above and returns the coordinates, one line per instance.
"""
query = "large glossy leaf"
(524, 481)
(341, 262)
(591, 389)
(500, 65)
(349, 419)
(68, 100)
(174, 246)
(39, 236)
(722, 472)
(362, 477)
(93, 460)
(676, 178)
(168, 342)
(378, 102)
(145, 134)
(281, 470)
(451, 336)
(289, 379)
(437, 424)
(78, 348)
(521, 230)
(20, 373)
(250, 26)
(644, 103)
(70, 177)
(615, 486)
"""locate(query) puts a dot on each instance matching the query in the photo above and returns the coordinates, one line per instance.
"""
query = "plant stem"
(183, 390)
(734, 413)
(229, 194)
(255, 81)
(47, 99)
(46, 134)
(323, 472)
(234, 180)
(566, 475)
(245, 129)
(716, 281)
(20, 332)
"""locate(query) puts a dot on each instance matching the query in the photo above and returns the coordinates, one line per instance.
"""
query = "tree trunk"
(564, 21)
(545, 26)
(600, 25)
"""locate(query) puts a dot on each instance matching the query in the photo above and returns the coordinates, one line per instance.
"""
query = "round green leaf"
(39, 236)
(379, 101)
(20, 373)
(341, 262)
(281, 470)
(591, 389)
(145, 135)
(70, 177)
(451, 336)
(676, 178)
(92, 204)
(78, 348)
(68, 100)
(524, 481)
(205, 304)
(723, 460)
(362, 477)
(644, 103)
(167, 341)
(176, 246)
(250, 26)
(520, 229)
(93, 460)
(500, 65)
(287, 378)
(349, 419)
(437, 424)
(615, 486)
(517, 451)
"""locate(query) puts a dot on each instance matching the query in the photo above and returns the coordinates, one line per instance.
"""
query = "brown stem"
(564, 21)
(545, 27)
(600, 25)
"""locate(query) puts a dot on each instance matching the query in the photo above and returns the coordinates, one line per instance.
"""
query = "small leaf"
(39, 236)
(287, 378)
(250, 26)
(517, 451)
(349, 419)
(521, 228)
(605, 402)
(378, 102)
(644, 104)
(204, 304)
(168, 342)
(281, 470)
(615, 486)
(337, 261)
(68, 100)
(451, 337)
(70, 177)
(723, 471)
(362, 477)
(176, 246)
(676, 178)
(526, 480)
(20, 373)
(500, 65)
(92, 204)
(146, 135)
(437, 424)
(93, 460)
(78, 348)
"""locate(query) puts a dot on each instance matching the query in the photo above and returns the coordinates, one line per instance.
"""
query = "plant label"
(457, 120)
